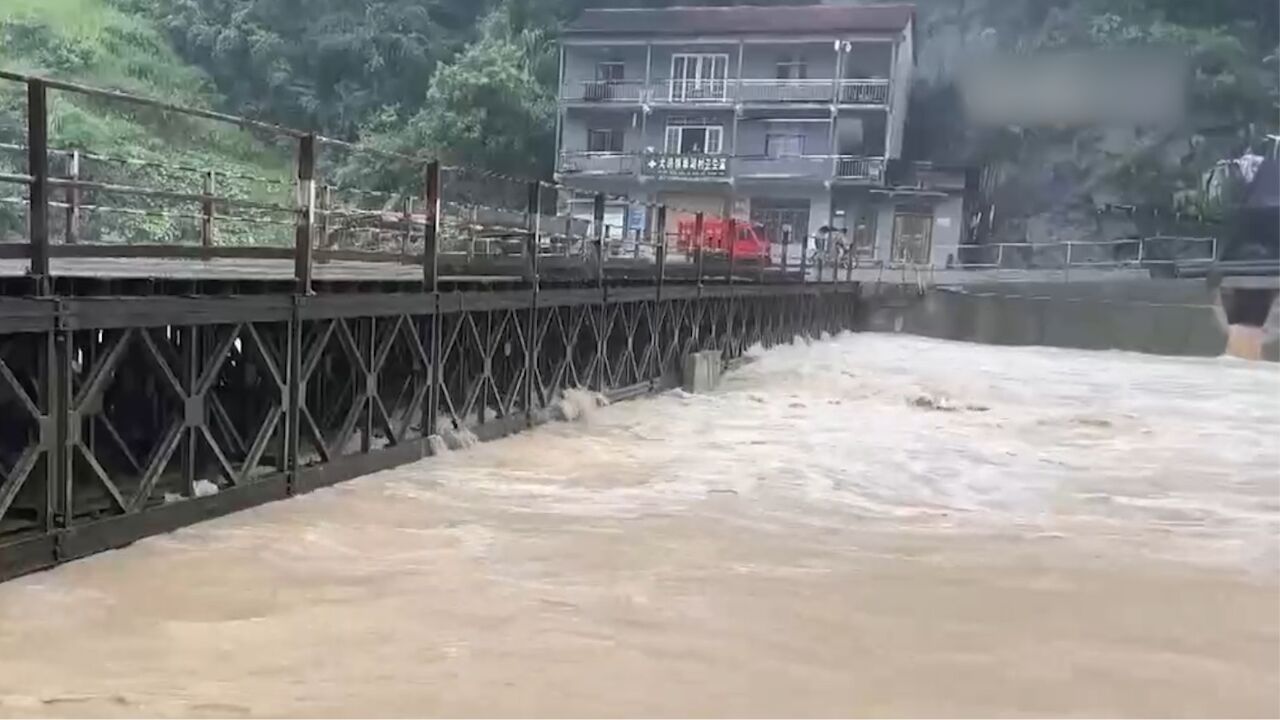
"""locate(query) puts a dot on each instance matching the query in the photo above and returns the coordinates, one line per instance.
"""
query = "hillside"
(100, 44)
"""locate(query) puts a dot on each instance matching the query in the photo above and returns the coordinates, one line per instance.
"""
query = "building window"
(612, 71)
(604, 140)
(792, 69)
(779, 145)
(694, 139)
(697, 77)
(912, 235)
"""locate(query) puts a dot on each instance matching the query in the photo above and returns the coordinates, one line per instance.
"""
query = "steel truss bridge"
(145, 387)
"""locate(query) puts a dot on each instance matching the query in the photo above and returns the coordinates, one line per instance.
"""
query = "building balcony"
(690, 92)
(864, 92)
(596, 164)
(672, 166)
(797, 167)
(786, 91)
(604, 91)
(865, 169)
(751, 91)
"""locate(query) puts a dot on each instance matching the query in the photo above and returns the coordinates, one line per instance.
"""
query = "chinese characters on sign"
(687, 165)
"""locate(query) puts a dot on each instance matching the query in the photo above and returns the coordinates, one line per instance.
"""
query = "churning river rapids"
(868, 525)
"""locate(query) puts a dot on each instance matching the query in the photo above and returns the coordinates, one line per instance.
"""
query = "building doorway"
(912, 235)
(781, 217)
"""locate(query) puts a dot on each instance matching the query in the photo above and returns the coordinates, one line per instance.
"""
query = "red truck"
(748, 244)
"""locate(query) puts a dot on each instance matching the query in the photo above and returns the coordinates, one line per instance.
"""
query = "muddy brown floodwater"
(872, 525)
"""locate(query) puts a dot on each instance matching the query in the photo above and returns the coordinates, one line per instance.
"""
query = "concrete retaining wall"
(1167, 317)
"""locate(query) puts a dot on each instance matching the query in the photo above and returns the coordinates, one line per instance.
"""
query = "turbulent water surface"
(869, 525)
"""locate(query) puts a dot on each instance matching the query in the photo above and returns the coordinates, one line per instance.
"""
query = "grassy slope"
(96, 43)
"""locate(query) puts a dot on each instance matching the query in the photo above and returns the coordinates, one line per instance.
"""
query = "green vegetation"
(95, 43)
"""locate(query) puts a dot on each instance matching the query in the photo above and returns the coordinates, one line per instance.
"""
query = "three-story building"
(783, 115)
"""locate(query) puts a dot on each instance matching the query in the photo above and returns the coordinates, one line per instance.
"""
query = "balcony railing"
(864, 92)
(690, 91)
(799, 166)
(747, 90)
(816, 91)
(870, 169)
(604, 91)
(588, 163)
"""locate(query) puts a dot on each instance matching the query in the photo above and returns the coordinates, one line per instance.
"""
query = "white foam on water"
(945, 435)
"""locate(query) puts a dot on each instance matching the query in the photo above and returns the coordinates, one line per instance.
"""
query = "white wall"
(760, 61)
(900, 89)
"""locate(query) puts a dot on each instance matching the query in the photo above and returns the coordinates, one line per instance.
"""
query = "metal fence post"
(38, 169)
(325, 204)
(786, 242)
(408, 227)
(804, 259)
(306, 213)
(731, 236)
(73, 200)
(207, 210)
(699, 246)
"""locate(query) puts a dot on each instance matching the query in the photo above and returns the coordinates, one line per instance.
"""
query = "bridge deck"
(455, 270)
(500, 271)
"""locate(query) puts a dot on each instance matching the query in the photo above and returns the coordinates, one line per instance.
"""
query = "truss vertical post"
(598, 216)
(57, 372)
(38, 193)
(190, 358)
(51, 430)
(430, 284)
(533, 244)
(370, 381)
(306, 202)
(661, 278)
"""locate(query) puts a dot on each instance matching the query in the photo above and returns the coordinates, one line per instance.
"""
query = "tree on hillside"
(328, 64)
